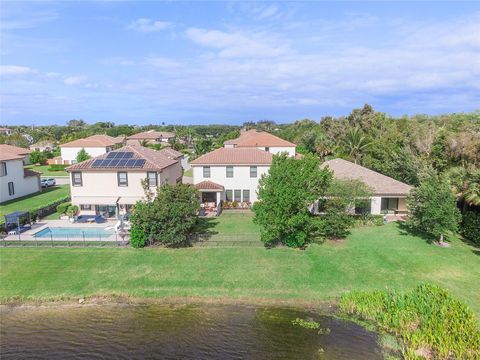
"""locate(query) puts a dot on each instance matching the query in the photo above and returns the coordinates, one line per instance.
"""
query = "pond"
(179, 332)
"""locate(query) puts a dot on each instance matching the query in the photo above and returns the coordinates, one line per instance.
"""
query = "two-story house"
(110, 184)
(261, 140)
(94, 145)
(150, 137)
(15, 180)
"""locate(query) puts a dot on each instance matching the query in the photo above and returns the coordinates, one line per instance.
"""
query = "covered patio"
(17, 222)
(210, 197)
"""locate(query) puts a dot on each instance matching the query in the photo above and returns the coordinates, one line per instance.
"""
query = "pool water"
(77, 232)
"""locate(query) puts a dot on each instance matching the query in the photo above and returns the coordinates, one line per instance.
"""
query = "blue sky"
(230, 62)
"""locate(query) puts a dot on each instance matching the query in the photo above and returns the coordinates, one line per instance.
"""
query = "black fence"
(65, 240)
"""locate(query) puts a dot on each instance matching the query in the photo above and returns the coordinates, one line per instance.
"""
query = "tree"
(166, 217)
(356, 144)
(285, 195)
(76, 123)
(433, 208)
(82, 155)
(38, 157)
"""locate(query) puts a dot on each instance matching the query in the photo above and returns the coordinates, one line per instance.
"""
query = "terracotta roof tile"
(209, 185)
(10, 152)
(381, 184)
(234, 156)
(174, 154)
(254, 138)
(94, 141)
(151, 135)
(154, 160)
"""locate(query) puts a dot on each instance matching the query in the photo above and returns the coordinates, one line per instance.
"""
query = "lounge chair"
(99, 219)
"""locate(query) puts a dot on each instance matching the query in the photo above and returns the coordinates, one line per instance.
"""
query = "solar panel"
(113, 163)
(122, 162)
(96, 163)
(128, 155)
(139, 163)
(111, 155)
(130, 163)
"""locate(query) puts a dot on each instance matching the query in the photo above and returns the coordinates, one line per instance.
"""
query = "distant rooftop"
(235, 156)
(94, 141)
(254, 138)
(151, 135)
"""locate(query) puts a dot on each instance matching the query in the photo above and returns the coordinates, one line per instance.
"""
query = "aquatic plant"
(306, 324)
(428, 320)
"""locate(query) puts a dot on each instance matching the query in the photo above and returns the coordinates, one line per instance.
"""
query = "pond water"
(179, 332)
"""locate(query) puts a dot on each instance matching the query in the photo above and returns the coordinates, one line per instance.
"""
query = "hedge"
(470, 227)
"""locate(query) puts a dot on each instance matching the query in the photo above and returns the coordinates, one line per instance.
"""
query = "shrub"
(428, 318)
(57, 167)
(62, 208)
(470, 226)
(138, 238)
(72, 210)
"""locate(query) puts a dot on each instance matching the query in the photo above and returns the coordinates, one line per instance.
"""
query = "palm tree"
(356, 144)
(472, 191)
(465, 185)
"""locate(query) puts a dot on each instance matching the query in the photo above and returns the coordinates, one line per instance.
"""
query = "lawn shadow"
(203, 230)
(476, 252)
(408, 230)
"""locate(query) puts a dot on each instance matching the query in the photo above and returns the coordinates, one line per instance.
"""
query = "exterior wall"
(103, 187)
(171, 175)
(402, 205)
(22, 185)
(69, 154)
(241, 178)
(377, 203)
(229, 146)
(277, 150)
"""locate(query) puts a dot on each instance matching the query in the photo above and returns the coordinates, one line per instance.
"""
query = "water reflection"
(179, 332)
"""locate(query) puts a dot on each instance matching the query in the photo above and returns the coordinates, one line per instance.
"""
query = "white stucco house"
(15, 180)
(110, 184)
(151, 137)
(389, 195)
(94, 145)
(5, 131)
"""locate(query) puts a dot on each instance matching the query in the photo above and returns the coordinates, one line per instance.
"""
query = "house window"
(3, 168)
(122, 179)
(152, 178)
(11, 188)
(206, 171)
(228, 195)
(77, 178)
(246, 195)
(238, 195)
(253, 171)
(389, 204)
(85, 207)
(229, 171)
(267, 149)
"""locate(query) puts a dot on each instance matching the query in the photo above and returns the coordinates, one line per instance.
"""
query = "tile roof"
(151, 135)
(174, 154)
(29, 172)
(209, 185)
(154, 160)
(94, 141)
(254, 138)
(381, 184)
(234, 156)
(10, 152)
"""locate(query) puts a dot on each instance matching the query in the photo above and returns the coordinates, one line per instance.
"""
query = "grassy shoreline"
(369, 259)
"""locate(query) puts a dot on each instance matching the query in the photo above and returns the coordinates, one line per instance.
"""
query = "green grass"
(44, 169)
(34, 201)
(370, 258)
(188, 173)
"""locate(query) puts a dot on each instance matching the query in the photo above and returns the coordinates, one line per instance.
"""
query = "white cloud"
(149, 25)
(74, 80)
(12, 70)
(236, 44)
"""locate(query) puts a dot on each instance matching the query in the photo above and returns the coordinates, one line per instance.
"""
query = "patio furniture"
(99, 219)
(90, 220)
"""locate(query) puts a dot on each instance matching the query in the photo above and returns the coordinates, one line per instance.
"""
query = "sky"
(230, 62)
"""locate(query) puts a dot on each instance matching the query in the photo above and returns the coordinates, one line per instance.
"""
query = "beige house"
(150, 137)
(5, 131)
(94, 145)
(389, 195)
(110, 184)
(44, 145)
(15, 180)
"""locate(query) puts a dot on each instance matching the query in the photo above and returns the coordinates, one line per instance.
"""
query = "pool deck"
(42, 224)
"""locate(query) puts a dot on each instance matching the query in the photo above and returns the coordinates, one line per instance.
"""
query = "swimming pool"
(74, 232)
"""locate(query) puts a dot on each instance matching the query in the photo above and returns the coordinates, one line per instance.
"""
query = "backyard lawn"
(44, 169)
(34, 201)
(370, 258)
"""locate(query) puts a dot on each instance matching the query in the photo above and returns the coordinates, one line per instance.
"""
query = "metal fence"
(65, 240)
(215, 240)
